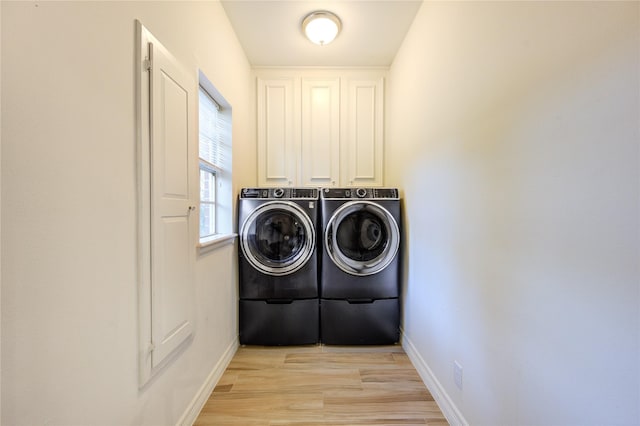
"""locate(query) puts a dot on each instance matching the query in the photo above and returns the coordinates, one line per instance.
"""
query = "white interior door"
(167, 252)
(171, 207)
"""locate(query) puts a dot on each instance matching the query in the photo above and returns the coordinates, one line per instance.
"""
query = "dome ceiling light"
(321, 27)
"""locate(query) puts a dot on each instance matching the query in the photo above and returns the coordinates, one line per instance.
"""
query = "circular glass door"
(362, 238)
(278, 238)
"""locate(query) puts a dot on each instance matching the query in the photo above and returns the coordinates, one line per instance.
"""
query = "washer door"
(278, 238)
(362, 238)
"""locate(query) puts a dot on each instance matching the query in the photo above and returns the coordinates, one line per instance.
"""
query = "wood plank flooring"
(320, 385)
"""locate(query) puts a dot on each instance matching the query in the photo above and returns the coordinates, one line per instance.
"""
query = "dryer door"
(278, 238)
(362, 238)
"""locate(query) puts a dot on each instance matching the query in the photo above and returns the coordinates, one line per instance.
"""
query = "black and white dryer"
(278, 266)
(360, 272)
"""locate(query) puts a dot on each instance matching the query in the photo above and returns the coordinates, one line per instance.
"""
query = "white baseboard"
(193, 409)
(448, 408)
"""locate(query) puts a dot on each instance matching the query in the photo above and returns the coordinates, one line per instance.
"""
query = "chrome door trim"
(349, 265)
(301, 259)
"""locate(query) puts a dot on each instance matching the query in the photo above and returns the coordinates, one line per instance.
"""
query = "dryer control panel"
(360, 193)
(279, 193)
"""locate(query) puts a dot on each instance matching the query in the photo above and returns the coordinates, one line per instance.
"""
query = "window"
(215, 162)
(207, 200)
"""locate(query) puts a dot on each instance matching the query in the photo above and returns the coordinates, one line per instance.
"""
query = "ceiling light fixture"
(321, 27)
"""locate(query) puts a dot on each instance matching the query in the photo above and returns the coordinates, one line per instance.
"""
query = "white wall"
(0, 217)
(69, 291)
(513, 131)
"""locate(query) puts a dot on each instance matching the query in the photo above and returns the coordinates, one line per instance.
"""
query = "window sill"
(215, 242)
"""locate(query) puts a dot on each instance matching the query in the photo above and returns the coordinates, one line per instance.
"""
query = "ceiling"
(270, 31)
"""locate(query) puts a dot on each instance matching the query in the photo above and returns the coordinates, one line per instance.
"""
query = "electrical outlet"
(457, 374)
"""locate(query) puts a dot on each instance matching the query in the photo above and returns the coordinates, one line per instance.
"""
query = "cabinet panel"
(320, 127)
(276, 142)
(365, 133)
(320, 147)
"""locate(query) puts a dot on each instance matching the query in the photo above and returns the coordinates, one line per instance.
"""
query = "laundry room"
(482, 156)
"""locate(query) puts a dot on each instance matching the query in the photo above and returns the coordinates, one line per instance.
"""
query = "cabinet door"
(277, 154)
(364, 162)
(320, 147)
(166, 147)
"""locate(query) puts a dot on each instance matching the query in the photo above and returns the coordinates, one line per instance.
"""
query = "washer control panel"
(360, 193)
(279, 193)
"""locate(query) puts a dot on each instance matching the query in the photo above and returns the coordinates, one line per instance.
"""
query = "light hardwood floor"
(320, 385)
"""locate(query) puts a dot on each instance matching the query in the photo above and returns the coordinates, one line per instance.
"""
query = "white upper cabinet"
(364, 159)
(320, 148)
(277, 142)
(320, 128)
